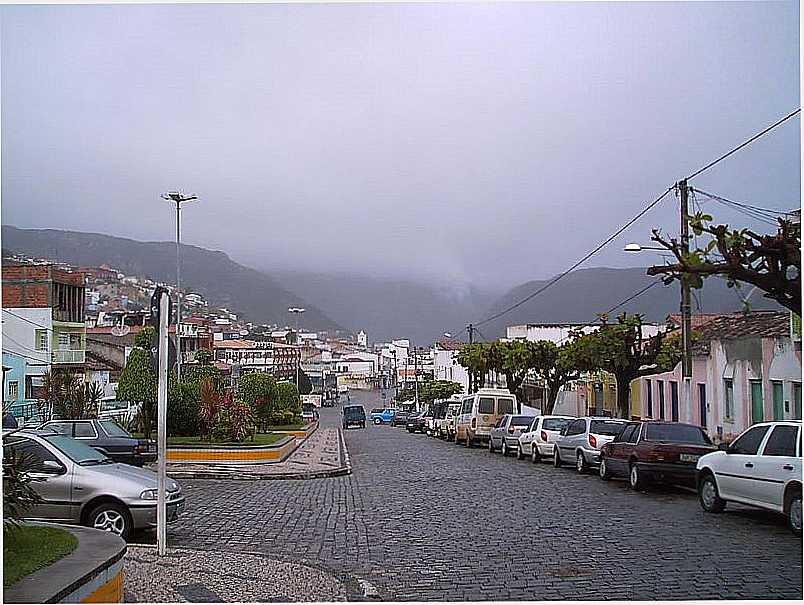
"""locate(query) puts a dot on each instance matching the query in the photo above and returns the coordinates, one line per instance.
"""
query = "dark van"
(354, 415)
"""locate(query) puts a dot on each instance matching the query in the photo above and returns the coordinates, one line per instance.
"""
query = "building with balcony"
(43, 325)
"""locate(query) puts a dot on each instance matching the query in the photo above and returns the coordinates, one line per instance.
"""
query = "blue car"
(382, 415)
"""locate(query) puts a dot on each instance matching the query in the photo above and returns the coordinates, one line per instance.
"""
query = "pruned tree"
(771, 262)
(556, 365)
(438, 390)
(621, 349)
(474, 358)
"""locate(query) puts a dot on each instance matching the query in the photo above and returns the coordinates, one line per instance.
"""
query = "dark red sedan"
(655, 451)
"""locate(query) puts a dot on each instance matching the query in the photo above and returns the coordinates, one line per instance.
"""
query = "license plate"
(152, 448)
(688, 457)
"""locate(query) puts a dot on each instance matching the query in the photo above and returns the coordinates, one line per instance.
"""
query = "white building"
(446, 366)
(560, 333)
(362, 339)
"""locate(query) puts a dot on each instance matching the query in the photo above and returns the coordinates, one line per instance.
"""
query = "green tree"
(183, 407)
(434, 393)
(260, 391)
(69, 397)
(138, 383)
(475, 359)
(556, 366)
(621, 349)
(771, 262)
(288, 404)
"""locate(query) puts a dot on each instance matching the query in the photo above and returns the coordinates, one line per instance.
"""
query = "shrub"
(259, 390)
(234, 420)
(209, 404)
(183, 409)
(18, 495)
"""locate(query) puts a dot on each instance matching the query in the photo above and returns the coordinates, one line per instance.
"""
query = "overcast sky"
(481, 143)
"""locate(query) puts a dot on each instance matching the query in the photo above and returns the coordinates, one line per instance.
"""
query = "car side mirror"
(52, 467)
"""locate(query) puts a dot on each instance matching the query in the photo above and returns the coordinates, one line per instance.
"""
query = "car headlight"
(148, 494)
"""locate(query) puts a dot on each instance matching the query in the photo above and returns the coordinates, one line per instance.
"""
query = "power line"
(744, 144)
(758, 209)
(578, 263)
(33, 323)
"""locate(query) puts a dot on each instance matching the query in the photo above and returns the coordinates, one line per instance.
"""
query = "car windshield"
(554, 424)
(113, 429)
(606, 427)
(505, 405)
(522, 421)
(677, 433)
(78, 452)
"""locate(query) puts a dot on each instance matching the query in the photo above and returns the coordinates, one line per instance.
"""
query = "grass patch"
(28, 548)
(259, 439)
(287, 427)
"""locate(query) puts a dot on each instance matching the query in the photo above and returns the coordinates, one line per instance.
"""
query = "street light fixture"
(633, 247)
(176, 197)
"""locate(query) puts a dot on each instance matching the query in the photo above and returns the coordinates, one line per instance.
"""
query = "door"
(797, 400)
(757, 407)
(777, 464)
(617, 461)
(674, 401)
(737, 471)
(778, 400)
(702, 404)
(50, 480)
(660, 389)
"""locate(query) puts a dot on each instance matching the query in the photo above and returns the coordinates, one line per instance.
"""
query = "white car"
(538, 440)
(761, 468)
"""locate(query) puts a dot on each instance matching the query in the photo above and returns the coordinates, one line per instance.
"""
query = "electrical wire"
(744, 144)
(578, 263)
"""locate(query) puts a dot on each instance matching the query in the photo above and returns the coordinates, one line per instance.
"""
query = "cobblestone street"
(423, 519)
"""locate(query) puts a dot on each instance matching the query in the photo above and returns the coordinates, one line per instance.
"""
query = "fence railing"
(69, 356)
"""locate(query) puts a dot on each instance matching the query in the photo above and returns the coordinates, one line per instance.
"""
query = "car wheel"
(504, 448)
(519, 454)
(635, 478)
(377, 421)
(793, 508)
(708, 495)
(604, 470)
(468, 440)
(111, 517)
(556, 458)
(581, 465)
(535, 456)
(491, 445)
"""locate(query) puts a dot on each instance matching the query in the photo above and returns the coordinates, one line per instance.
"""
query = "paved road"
(422, 519)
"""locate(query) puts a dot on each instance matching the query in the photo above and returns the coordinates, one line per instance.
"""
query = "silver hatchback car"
(582, 439)
(506, 432)
(79, 485)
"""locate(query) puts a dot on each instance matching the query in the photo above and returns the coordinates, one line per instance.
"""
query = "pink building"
(746, 369)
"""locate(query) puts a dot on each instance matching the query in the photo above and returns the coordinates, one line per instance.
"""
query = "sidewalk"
(323, 454)
(184, 575)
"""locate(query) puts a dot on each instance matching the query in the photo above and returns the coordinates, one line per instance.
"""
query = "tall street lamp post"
(178, 198)
(297, 311)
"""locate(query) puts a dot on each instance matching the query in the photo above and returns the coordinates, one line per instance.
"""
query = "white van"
(480, 413)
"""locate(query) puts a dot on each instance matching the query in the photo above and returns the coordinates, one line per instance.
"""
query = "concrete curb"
(241, 473)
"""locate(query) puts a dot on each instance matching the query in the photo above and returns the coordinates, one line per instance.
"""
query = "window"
(728, 389)
(13, 390)
(552, 424)
(660, 388)
(626, 434)
(500, 422)
(41, 340)
(577, 428)
(676, 433)
(606, 427)
(748, 442)
(505, 405)
(467, 406)
(649, 398)
(84, 429)
(486, 405)
(674, 401)
(778, 400)
(62, 428)
(33, 455)
(782, 441)
(64, 341)
(521, 421)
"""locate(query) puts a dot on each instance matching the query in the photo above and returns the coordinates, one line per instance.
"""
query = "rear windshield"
(505, 405)
(486, 406)
(554, 424)
(676, 433)
(606, 427)
(113, 429)
(377, 411)
(521, 420)
(353, 412)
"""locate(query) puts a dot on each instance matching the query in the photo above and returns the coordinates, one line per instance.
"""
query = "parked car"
(416, 422)
(506, 432)
(81, 486)
(480, 412)
(109, 438)
(400, 418)
(538, 441)
(382, 415)
(655, 451)
(446, 426)
(761, 468)
(582, 439)
(353, 415)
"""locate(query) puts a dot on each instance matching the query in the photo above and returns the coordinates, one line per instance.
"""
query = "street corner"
(202, 576)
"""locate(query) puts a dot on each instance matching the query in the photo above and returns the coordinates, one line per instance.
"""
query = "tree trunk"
(550, 403)
(624, 397)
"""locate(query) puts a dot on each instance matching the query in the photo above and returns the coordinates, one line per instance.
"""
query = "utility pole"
(471, 329)
(686, 307)
(161, 425)
(416, 375)
(396, 375)
(178, 199)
